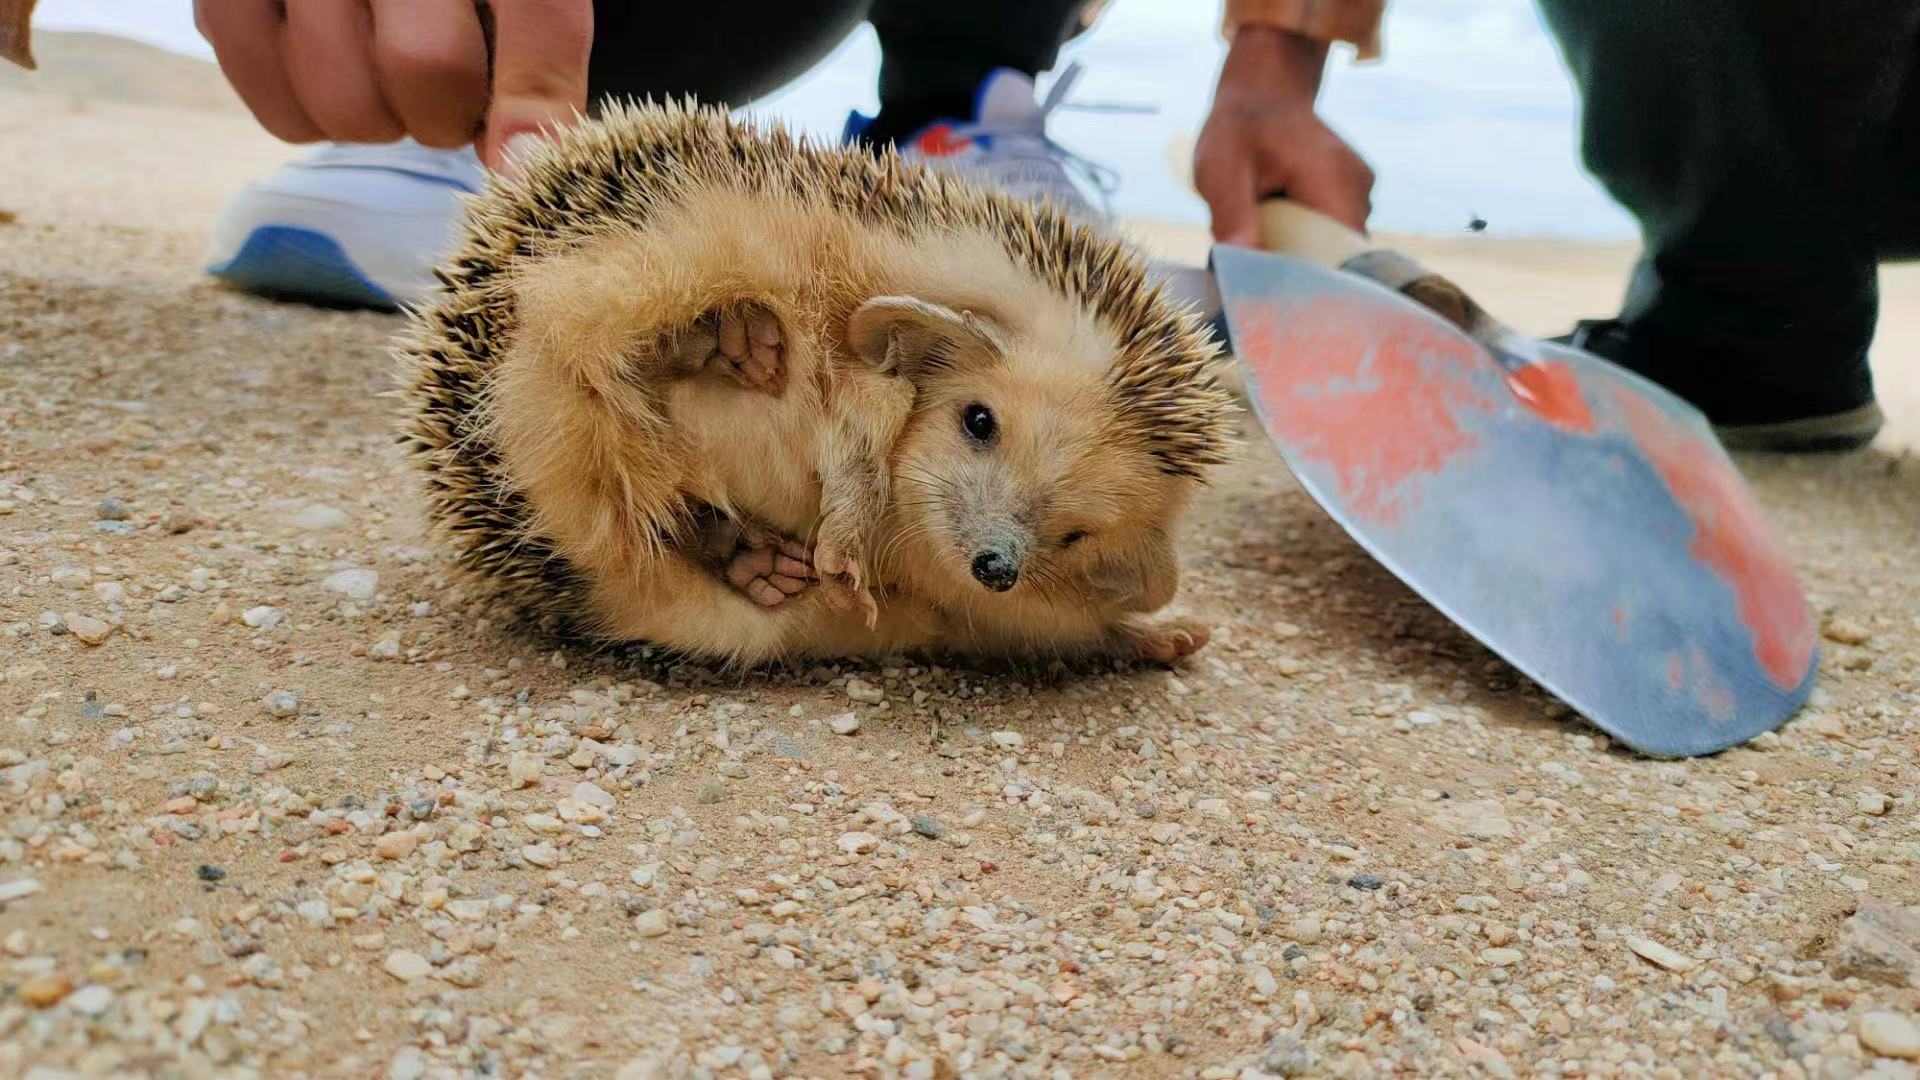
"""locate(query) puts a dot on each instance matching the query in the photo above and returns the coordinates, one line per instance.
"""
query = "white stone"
(1885, 1033)
(318, 518)
(858, 843)
(407, 966)
(593, 795)
(264, 617)
(652, 923)
(353, 584)
(91, 1000)
(1659, 954)
(523, 769)
(844, 724)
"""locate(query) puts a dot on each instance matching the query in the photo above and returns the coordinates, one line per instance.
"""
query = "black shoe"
(1748, 417)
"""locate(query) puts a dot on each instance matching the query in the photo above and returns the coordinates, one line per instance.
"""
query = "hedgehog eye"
(1071, 539)
(980, 424)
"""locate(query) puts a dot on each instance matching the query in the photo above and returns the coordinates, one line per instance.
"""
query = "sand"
(278, 797)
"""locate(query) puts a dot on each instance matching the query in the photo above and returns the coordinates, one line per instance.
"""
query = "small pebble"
(397, 845)
(1660, 955)
(92, 1000)
(40, 991)
(652, 923)
(1888, 1034)
(317, 518)
(865, 692)
(1847, 632)
(111, 509)
(353, 584)
(282, 703)
(407, 966)
(264, 617)
(89, 630)
(593, 795)
(858, 843)
(844, 724)
(1366, 881)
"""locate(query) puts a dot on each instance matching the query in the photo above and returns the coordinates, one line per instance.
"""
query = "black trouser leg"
(933, 54)
(722, 53)
(1752, 140)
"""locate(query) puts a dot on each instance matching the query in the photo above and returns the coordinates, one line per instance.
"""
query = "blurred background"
(1459, 77)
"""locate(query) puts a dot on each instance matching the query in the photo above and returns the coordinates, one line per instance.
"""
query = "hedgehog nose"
(995, 570)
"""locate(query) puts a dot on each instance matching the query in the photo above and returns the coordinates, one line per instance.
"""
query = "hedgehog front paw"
(770, 571)
(838, 565)
(1160, 642)
(751, 347)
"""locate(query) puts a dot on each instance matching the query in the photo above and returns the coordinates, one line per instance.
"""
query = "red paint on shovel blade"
(1549, 391)
(1376, 408)
(1730, 537)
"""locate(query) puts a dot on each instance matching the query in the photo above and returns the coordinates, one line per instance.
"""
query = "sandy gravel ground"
(276, 798)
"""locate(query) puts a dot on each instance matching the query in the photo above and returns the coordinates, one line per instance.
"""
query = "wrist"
(1273, 64)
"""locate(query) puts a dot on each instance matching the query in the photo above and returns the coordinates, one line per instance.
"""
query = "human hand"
(377, 70)
(1263, 139)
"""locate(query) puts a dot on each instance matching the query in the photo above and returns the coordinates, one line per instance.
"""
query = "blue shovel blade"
(1578, 520)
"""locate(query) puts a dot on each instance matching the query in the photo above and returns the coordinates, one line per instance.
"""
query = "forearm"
(1356, 22)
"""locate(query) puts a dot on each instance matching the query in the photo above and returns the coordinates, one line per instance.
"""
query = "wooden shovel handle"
(1288, 227)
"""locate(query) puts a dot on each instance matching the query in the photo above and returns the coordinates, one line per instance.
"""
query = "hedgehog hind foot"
(743, 341)
(769, 570)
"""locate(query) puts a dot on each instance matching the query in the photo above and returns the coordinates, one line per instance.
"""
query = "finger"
(328, 46)
(432, 62)
(1226, 181)
(245, 35)
(764, 328)
(764, 594)
(789, 585)
(1335, 182)
(798, 552)
(540, 51)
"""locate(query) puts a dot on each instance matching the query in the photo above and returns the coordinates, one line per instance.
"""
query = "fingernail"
(519, 150)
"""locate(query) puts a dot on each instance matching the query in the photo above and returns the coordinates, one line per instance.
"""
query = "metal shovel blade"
(1578, 520)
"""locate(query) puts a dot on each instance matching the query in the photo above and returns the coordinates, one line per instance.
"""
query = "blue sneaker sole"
(288, 263)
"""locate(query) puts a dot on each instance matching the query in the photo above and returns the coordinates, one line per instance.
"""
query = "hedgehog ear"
(905, 336)
(1142, 578)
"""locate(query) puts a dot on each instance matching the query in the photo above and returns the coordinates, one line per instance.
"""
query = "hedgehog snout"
(997, 552)
(995, 569)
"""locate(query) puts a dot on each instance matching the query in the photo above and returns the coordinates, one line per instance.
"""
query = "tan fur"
(601, 443)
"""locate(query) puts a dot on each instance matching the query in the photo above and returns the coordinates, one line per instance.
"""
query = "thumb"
(1229, 195)
(540, 54)
(1236, 220)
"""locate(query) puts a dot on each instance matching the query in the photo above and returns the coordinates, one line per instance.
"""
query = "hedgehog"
(704, 384)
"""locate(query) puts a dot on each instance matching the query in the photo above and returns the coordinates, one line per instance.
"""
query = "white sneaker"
(360, 226)
(1006, 145)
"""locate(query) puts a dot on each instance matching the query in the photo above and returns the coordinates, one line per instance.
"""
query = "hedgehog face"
(1013, 478)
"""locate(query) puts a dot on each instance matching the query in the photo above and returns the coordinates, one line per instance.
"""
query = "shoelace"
(458, 167)
(1024, 153)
